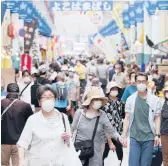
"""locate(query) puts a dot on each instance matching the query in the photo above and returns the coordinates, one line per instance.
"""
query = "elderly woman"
(90, 124)
(164, 128)
(47, 133)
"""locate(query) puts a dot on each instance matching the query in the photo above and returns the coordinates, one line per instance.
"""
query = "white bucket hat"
(110, 86)
(95, 93)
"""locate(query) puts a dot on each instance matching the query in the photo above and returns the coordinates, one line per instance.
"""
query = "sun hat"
(95, 93)
(111, 85)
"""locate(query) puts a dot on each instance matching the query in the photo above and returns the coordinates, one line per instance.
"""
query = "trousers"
(9, 152)
(164, 140)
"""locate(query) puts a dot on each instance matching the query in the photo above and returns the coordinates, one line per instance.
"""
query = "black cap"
(13, 87)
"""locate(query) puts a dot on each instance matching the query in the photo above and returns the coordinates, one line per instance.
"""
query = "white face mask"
(141, 87)
(26, 79)
(48, 105)
(117, 71)
(97, 104)
(114, 93)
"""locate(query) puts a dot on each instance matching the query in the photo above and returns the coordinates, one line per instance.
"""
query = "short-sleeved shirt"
(119, 79)
(61, 103)
(81, 71)
(140, 129)
(128, 92)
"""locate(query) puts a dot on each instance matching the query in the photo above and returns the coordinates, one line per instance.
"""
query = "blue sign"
(139, 11)
(163, 5)
(3, 10)
(126, 19)
(81, 5)
(132, 16)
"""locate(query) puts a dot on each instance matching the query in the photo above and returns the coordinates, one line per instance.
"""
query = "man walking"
(13, 122)
(143, 121)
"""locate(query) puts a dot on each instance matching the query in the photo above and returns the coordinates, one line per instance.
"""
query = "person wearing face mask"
(164, 128)
(80, 69)
(92, 118)
(91, 68)
(119, 77)
(130, 89)
(47, 133)
(115, 113)
(74, 90)
(25, 87)
(142, 120)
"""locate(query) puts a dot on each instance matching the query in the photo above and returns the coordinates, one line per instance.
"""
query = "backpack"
(34, 88)
(61, 90)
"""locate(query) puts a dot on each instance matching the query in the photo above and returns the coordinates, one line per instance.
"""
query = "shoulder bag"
(7, 108)
(87, 147)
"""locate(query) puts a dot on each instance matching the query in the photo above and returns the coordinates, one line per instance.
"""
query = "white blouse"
(47, 146)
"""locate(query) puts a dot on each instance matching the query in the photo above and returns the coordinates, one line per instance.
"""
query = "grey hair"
(61, 76)
(43, 88)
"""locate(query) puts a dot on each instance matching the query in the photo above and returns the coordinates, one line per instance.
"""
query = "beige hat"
(95, 93)
(111, 85)
(165, 89)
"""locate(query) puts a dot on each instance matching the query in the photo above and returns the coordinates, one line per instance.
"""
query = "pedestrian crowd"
(74, 111)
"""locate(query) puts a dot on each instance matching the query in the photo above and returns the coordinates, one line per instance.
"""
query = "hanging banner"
(29, 34)
(131, 11)
(163, 5)
(151, 6)
(126, 18)
(26, 62)
(81, 6)
(139, 11)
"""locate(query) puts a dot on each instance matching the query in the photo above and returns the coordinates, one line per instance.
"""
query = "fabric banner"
(26, 62)
(81, 5)
(139, 11)
(131, 11)
(29, 34)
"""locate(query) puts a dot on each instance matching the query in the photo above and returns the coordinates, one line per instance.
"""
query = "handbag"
(87, 147)
(157, 156)
(7, 108)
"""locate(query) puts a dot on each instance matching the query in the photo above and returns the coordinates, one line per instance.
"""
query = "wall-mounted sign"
(81, 6)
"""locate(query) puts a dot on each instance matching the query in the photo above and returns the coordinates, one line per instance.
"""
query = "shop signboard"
(26, 62)
(81, 5)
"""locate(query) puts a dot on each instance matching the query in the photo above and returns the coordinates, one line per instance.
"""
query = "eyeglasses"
(141, 82)
(49, 98)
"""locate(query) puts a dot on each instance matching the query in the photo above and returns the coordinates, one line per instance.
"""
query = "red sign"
(26, 62)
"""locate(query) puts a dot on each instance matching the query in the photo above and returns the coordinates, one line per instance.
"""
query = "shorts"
(62, 110)
(74, 105)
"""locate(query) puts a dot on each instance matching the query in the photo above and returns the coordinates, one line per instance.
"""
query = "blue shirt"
(61, 103)
(128, 92)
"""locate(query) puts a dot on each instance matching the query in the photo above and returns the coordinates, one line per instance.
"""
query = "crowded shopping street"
(84, 83)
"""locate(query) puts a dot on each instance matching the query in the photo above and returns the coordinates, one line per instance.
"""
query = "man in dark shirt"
(13, 122)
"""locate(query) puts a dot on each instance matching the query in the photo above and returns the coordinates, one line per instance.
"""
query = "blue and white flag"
(139, 11)
(132, 16)
(151, 6)
(163, 5)
(126, 19)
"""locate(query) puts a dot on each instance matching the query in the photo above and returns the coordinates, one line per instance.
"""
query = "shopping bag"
(112, 159)
(70, 156)
(157, 156)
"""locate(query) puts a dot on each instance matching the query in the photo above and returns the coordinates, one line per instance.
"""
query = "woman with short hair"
(47, 133)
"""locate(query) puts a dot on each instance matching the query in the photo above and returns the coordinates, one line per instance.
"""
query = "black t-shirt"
(43, 81)
(13, 120)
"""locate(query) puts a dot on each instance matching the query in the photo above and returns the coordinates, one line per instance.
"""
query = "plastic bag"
(111, 159)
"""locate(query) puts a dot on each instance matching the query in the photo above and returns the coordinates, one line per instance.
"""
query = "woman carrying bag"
(47, 134)
(90, 125)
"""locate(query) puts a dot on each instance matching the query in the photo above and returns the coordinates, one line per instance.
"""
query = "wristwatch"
(157, 135)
